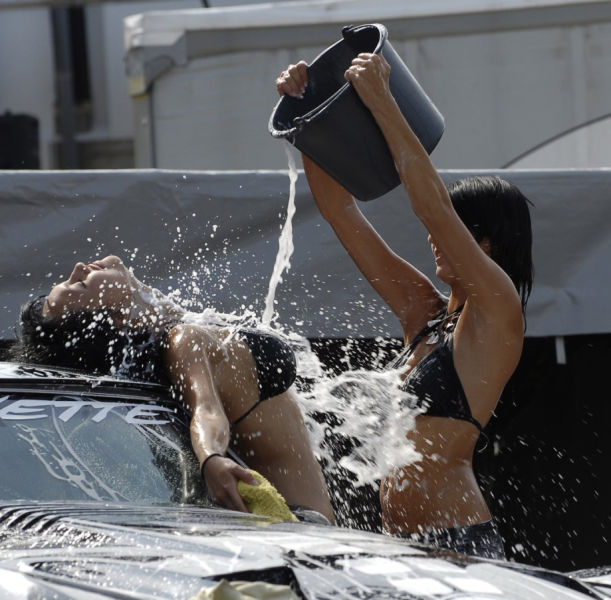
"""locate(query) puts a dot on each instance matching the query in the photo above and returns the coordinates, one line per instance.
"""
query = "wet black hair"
(495, 209)
(87, 341)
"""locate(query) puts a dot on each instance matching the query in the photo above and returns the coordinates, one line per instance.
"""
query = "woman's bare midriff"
(438, 491)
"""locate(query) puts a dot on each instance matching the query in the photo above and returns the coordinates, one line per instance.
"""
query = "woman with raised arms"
(460, 350)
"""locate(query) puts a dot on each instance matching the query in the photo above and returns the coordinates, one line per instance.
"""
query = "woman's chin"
(444, 275)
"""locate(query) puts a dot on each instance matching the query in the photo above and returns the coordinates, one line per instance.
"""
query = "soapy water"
(64, 463)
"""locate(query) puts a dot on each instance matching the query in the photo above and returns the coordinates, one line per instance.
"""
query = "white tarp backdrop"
(214, 237)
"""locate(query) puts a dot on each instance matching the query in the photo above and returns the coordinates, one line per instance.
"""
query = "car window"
(80, 447)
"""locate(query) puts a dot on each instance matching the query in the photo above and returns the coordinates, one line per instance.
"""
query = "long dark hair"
(493, 208)
(87, 341)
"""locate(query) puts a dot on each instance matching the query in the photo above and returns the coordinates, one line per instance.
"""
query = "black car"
(100, 497)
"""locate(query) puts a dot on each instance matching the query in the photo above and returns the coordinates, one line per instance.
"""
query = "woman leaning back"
(235, 382)
(460, 351)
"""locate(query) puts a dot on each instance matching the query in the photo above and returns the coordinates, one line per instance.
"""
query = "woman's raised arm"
(487, 286)
(407, 291)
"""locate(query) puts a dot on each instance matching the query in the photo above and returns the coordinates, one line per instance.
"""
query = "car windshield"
(80, 446)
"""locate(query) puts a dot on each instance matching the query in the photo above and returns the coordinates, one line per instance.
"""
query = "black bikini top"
(275, 362)
(433, 384)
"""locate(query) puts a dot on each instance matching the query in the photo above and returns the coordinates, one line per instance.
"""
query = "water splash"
(366, 413)
(357, 420)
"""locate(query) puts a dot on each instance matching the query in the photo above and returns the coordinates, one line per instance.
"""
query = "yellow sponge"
(264, 499)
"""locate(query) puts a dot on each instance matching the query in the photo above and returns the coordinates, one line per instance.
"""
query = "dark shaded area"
(545, 469)
(546, 474)
(5, 346)
(19, 147)
(73, 89)
(79, 54)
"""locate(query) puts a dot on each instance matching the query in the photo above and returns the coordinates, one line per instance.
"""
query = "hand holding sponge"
(264, 499)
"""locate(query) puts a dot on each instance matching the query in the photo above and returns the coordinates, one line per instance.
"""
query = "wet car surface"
(100, 497)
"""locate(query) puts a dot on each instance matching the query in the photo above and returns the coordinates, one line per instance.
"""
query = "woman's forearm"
(331, 198)
(370, 75)
(423, 184)
(209, 434)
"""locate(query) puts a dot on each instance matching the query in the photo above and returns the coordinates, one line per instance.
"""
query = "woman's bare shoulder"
(192, 337)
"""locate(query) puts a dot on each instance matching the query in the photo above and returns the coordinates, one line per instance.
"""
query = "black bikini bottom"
(481, 540)
(274, 362)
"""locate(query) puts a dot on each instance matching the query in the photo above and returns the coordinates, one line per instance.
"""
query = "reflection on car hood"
(93, 550)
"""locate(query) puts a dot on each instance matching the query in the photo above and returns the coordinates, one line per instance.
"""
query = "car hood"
(89, 551)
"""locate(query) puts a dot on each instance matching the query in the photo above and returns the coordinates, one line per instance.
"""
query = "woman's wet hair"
(87, 341)
(493, 208)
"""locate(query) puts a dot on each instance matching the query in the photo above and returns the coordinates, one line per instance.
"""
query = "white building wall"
(502, 92)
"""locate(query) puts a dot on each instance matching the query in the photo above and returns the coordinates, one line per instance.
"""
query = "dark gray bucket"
(336, 130)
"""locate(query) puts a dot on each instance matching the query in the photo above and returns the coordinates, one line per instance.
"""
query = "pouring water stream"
(285, 244)
(367, 406)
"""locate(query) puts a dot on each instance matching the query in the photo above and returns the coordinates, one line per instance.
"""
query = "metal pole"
(64, 85)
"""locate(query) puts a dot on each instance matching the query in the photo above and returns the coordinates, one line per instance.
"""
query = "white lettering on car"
(25, 409)
(142, 414)
(21, 410)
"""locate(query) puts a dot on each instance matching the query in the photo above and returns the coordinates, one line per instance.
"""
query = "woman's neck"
(150, 307)
(456, 300)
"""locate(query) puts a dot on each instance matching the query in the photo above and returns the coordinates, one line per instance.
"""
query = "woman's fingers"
(222, 483)
(232, 494)
(364, 58)
(244, 475)
(369, 74)
(234, 501)
(293, 80)
(222, 476)
(374, 64)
